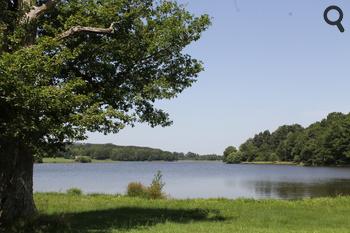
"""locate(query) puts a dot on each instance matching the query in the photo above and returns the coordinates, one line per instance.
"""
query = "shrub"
(154, 191)
(136, 189)
(74, 191)
(83, 159)
(234, 158)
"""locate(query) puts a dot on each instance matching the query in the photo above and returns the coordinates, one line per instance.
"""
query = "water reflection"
(295, 190)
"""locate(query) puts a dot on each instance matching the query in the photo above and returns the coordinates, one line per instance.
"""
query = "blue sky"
(267, 63)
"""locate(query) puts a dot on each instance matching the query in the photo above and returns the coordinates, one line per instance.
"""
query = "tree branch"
(79, 29)
(38, 11)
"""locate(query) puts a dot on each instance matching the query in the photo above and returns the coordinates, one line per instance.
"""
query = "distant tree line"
(323, 143)
(128, 153)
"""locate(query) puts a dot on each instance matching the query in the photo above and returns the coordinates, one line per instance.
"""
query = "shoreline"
(279, 163)
(72, 161)
(293, 164)
(272, 163)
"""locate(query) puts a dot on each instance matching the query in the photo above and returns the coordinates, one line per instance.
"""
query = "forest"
(324, 143)
(127, 153)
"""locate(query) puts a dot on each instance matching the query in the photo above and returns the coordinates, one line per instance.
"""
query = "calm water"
(197, 179)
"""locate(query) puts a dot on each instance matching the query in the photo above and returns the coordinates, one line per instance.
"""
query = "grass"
(63, 160)
(108, 214)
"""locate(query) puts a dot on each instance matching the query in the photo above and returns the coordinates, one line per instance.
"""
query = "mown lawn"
(106, 213)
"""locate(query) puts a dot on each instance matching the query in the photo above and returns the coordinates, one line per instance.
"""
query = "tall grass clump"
(74, 191)
(153, 191)
(136, 189)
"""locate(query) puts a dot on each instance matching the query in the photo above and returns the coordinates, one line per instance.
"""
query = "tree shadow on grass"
(121, 219)
(129, 218)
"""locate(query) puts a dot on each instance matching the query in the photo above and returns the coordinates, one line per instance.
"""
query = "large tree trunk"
(16, 168)
(16, 181)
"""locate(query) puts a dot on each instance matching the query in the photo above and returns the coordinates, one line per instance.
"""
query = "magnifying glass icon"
(337, 22)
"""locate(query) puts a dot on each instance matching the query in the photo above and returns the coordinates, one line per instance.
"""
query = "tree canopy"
(72, 66)
(323, 143)
(93, 66)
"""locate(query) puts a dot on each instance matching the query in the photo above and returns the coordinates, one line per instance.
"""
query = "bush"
(83, 159)
(136, 189)
(74, 191)
(154, 191)
(228, 151)
(234, 158)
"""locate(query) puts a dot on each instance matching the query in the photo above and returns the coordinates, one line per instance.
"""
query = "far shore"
(288, 164)
(66, 161)
(281, 163)
(63, 160)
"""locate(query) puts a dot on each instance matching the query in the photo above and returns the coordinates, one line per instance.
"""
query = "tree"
(286, 148)
(68, 67)
(229, 150)
(323, 143)
(282, 133)
(234, 158)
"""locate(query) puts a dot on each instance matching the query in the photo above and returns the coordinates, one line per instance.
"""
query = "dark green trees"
(68, 67)
(234, 158)
(326, 142)
(232, 155)
(264, 146)
(323, 143)
(127, 153)
(228, 151)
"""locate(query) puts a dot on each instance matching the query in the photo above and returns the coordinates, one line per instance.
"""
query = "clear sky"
(267, 63)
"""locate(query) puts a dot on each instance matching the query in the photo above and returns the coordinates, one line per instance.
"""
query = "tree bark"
(37, 11)
(16, 168)
(79, 29)
(16, 182)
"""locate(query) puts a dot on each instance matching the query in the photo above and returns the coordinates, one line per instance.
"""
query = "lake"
(197, 179)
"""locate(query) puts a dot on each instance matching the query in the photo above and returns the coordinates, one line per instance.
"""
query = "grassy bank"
(105, 213)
